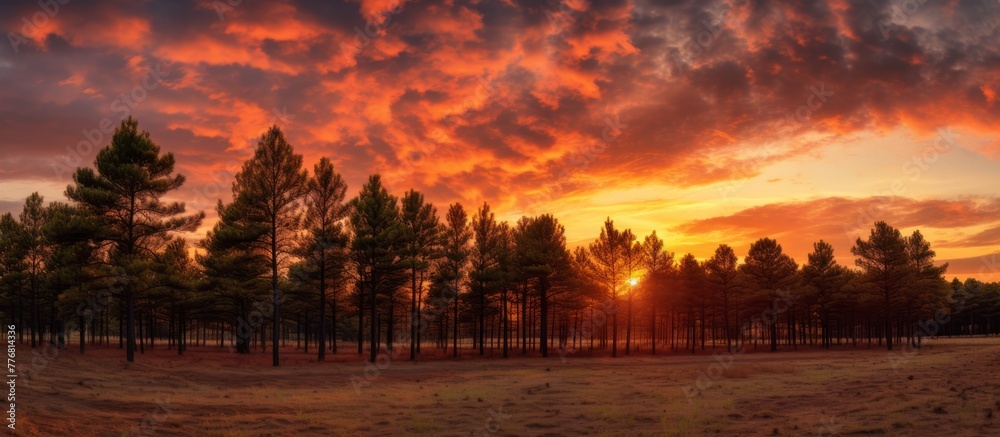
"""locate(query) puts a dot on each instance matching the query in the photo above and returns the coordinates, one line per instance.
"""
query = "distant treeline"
(292, 260)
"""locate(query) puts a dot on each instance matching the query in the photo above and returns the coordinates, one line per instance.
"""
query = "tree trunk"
(522, 322)
(454, 348)
(83, 330)
(373, 315)
(544, 304)
(482, 318)
(390, 323)
(614, 329)
(628, 326)
(888, 324)
(361, 321)
(414, 321)
(130, 328)
(181, 323)
(505, 322)
(420, 325)
(652, 340)
(322, 307)
(333, 322)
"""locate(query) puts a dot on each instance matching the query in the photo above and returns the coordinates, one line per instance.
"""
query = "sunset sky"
(710, 122)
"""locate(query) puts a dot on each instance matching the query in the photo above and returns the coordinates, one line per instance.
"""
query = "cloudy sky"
(710, 122)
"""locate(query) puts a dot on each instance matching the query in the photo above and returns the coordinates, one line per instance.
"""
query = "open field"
(949, 387)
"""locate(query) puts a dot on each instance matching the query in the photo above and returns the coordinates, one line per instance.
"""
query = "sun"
(633, 281)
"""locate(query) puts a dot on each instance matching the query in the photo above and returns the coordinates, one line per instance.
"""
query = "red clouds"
(519, 103)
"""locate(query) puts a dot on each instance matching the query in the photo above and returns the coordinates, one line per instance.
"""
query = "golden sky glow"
(709, 122)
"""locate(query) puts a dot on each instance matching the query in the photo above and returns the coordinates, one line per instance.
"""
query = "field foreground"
(950, 386)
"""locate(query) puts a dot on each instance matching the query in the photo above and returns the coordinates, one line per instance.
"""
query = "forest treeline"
(293, 261)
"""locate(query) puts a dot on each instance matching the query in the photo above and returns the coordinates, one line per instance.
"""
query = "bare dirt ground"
(950, 387)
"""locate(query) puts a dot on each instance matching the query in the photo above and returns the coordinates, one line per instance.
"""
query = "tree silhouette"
(179, 278)
(36, 251)
(659, 266)
(12, 241)
(608, 267)
(131, 176)
(975, 306)
(485, 273)
(883, 259)
(269, 188)
(691, 278)
(722, 275)
(456, 255)
(235, 267)
(507, 271)
(286, 231)
(927, 290)
(769, 271)
(422, 248)
(632, 256)
(823, 277)
(324, 247)
(377, 248)
(541, 254)
(71, 263)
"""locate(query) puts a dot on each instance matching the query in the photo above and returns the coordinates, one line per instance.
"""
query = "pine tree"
(691, 280)
(485, 266)
(608, 266)
(927, 290)
(542, 257)
(884, 262)
(508, 273)
(124, 192)
(771, 272)
(72, 264)
(11, 270)
(824, 278)
(423, 247)
(722, 276)
(377, 248)
(324, 245)
(659, 265)
(269, 188)
(632, 256)
(36, 253)
(457, 235)
(178, 280)
(235, 270)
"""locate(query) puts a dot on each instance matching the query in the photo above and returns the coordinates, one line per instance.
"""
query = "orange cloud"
(532, 106)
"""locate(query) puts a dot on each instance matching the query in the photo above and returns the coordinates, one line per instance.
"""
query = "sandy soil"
(950, 386)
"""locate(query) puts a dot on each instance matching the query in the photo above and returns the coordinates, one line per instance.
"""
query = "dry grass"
(950, 388)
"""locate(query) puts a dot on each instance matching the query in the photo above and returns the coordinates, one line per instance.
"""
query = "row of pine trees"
(292, 260)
